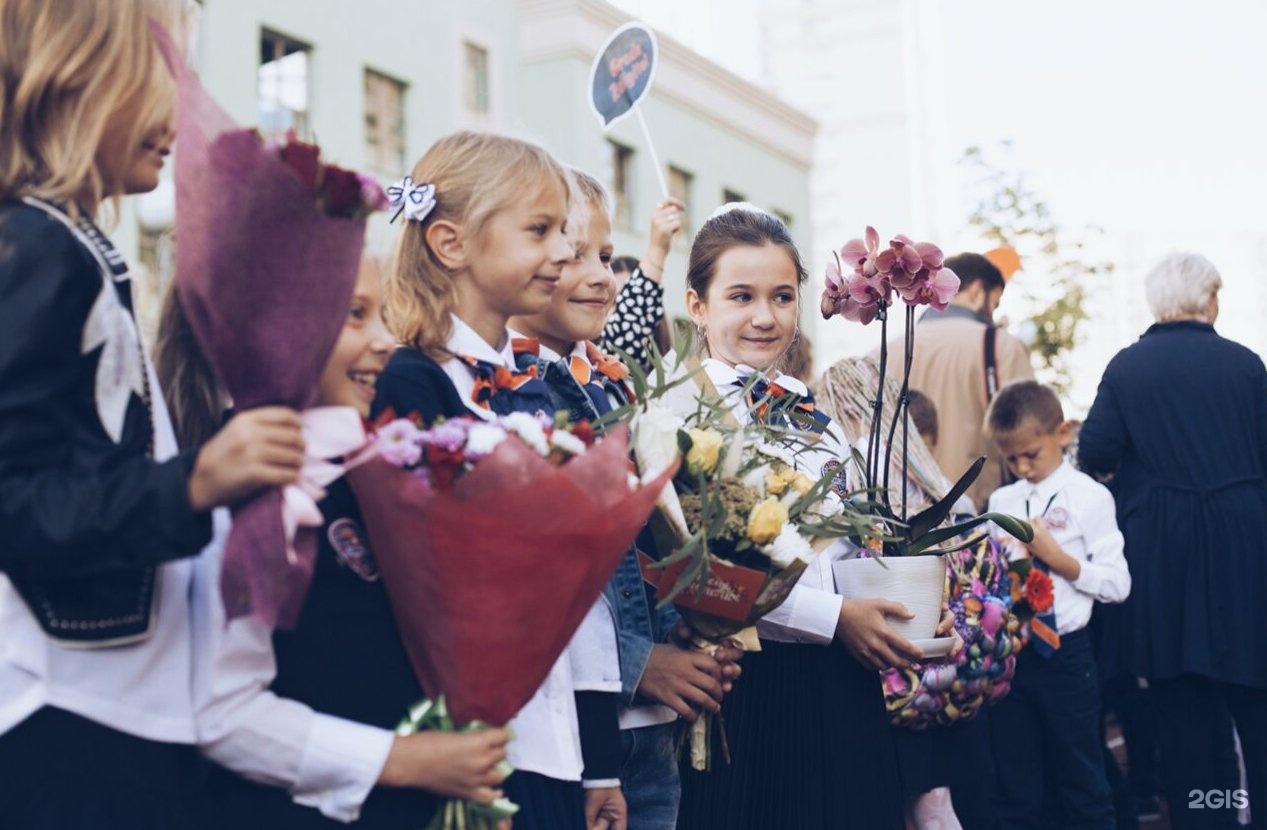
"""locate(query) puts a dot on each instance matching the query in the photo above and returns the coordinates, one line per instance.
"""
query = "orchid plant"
(862, 285)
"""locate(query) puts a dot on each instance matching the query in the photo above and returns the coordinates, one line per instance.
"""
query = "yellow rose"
(774, 483)
(803, 483)
(705, 451)
(766, 521)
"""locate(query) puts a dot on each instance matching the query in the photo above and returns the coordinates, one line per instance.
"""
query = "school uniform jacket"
(92, 497)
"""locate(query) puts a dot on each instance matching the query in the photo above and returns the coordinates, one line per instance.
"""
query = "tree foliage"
(1058, 265)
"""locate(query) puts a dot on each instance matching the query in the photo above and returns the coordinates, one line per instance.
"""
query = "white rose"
(788, 547)
(483, 439)
(529, 429)
(567, 442)
(655, 432)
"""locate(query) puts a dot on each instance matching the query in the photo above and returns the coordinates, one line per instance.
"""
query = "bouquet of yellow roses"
(738, 527)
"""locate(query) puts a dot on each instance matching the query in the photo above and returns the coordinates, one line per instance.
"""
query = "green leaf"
(1021, 530)
(930, 518)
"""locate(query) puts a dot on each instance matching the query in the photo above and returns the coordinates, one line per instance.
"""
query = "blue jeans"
(1046, 740)
(649, 777)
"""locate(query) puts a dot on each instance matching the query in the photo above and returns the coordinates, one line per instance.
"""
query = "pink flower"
(398, 443)
(934, 288)
(856, 252)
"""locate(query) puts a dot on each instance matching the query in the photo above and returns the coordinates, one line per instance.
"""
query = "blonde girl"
(487, 238)
(100, 511)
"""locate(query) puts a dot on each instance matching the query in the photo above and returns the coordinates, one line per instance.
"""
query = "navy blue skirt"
(810, 746)
(60, 771)
(546, 803)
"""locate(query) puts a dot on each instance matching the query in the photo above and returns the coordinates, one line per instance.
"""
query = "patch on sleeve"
(840, 477)
(352, 548)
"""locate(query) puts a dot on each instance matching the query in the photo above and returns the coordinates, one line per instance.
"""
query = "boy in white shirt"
(1046, 733)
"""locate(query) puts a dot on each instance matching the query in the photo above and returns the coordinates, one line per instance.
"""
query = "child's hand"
(946, 626)
(1043, 546)
(728, 658)
(1046, 549)
(454, 764)
(864, 629)
(605, 809)
(256, 448)
(688, 682)
(666, 221)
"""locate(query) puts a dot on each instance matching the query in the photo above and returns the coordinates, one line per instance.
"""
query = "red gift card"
(731, 591)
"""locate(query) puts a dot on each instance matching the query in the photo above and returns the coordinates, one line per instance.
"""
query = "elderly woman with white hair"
(1180, 426)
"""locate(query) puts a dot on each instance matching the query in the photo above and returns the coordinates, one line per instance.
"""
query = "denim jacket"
(639, 624)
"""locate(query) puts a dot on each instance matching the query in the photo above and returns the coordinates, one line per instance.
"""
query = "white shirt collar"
(578, 350)
(465, 341)
(723, 375)
(1040, 492)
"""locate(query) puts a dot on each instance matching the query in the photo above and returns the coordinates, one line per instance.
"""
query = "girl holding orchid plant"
(101, 512)
(302, 718)
(814, 707)
(486, 238)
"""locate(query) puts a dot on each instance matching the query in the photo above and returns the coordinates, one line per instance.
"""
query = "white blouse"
(812, 609)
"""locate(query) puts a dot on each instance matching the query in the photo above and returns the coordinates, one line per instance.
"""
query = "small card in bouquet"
(731, 592)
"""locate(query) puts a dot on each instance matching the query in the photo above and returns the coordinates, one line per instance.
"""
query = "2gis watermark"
(1218, 799)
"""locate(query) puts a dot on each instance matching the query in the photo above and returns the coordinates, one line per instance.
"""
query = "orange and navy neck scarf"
(502, 390)
(770, 403)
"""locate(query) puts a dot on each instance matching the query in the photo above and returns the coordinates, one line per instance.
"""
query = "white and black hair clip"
(414, 200)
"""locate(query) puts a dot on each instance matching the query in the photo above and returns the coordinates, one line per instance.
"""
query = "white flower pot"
(918, 582)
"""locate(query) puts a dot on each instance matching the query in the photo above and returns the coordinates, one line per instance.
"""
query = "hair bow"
(414, 200)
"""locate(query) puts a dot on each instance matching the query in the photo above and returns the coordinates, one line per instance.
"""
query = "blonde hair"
(66, 68)
(475, 175)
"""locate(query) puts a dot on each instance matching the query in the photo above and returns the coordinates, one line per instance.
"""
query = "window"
(622, 183)
(384, 124)
(475, 81)
(728, 195)
(680, 188)
(283, 85)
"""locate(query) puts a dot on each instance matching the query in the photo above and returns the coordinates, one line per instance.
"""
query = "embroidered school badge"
(352, 549)
(840, 476)
(1057, 518)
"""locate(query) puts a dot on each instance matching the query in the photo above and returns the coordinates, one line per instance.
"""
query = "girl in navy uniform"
(627, 653)
(100, 511)
(303, 718)
(808, 735)
(487, 240)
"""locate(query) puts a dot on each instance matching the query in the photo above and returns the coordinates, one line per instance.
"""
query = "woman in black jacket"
(1180, 424)
(98, 507)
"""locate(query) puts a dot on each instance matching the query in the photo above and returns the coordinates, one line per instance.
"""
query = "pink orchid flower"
(932, 288)
(855, 253)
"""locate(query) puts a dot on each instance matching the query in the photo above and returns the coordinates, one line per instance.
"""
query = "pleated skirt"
(810, 747)
(546, 803)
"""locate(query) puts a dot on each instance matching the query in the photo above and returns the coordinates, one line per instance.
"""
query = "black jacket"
(85, 519)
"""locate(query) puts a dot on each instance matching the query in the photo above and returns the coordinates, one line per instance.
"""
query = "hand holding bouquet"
(477, 527)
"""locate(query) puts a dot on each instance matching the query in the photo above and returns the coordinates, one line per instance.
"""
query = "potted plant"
(862, 285)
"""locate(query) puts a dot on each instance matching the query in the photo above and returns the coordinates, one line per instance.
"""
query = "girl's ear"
(447, 243)
(695, 306)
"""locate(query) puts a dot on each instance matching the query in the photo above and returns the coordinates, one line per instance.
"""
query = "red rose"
(1039, 591)
(342, 191)
(305, 160)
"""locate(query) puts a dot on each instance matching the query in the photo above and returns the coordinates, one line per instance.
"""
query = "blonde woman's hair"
(475, 175)
(66, 67)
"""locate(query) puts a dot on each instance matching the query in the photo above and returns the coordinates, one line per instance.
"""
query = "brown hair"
(193, 395)
(65, 69)
(734, 227)
(1021, 401)
(923, 414)
(475, 175)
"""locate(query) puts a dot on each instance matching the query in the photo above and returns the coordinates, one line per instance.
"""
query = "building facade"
(376, 82)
